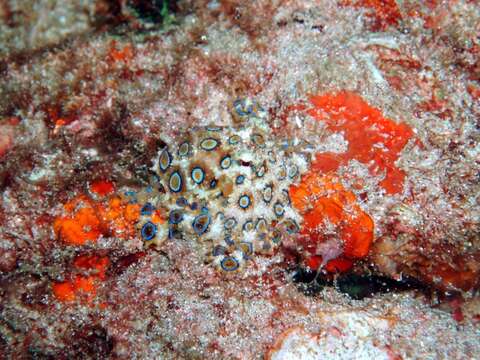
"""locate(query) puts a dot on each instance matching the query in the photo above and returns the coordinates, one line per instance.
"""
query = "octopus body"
(227, 187)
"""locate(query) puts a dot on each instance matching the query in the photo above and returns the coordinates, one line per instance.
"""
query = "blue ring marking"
(147, 209)
(200, 223)
(213, 128)
(132, 195)
(226, 162)
(198, 175)
(276, 236)
(246, 254)
(181, 201)
(282, 173)
(258, 140)
(293, 171)
(219, 250)
(260, 172)
(229, 263)
(175, 175)
(230, 223)
(228, 240)
(267, 193)
(271, 157)
(164, 160)
(278, 209)
(287, 196)
(240, 179)
(248, 224)
(291, 226)
(244, 201)
(175, 217)
(184, 149)
(234, 139)
(261, 222)
(209, 144)
(239, 107)
(149, 230)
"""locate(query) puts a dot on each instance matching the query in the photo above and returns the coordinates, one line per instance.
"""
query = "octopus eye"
(267, 193)
(230, 223)
(291, 226)
(175, 217)
(219, 250)
(200, 223)
(292, 171)
(164, 160)
(248, 225)
(226, 162)
(278, 209)
(244, 201)
(197, 175)
(258, 140)
(246, 248)
(234, 139)
(149, 230)
(240, 179)
(209, 144)
(175, 182)
(184, 149)
(229, 263)
(261, 226)
(261, 171)
(147, 209)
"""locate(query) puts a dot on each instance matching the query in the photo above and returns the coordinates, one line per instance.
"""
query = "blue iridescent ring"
(175, 217)
(240, 179)
(147, 209)
(175, 182)
(200, 223)
(229, 263)
(149, 230)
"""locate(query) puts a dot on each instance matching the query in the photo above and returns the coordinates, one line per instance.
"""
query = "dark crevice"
(355, 286)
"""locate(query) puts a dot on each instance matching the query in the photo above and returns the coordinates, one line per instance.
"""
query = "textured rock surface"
(88, 89)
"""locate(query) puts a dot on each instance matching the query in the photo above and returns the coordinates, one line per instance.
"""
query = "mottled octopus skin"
(225, 186)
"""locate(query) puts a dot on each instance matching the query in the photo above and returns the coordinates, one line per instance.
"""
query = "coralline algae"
(228, 187)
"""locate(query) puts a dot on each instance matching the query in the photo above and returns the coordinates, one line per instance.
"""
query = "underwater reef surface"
(211, 179)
